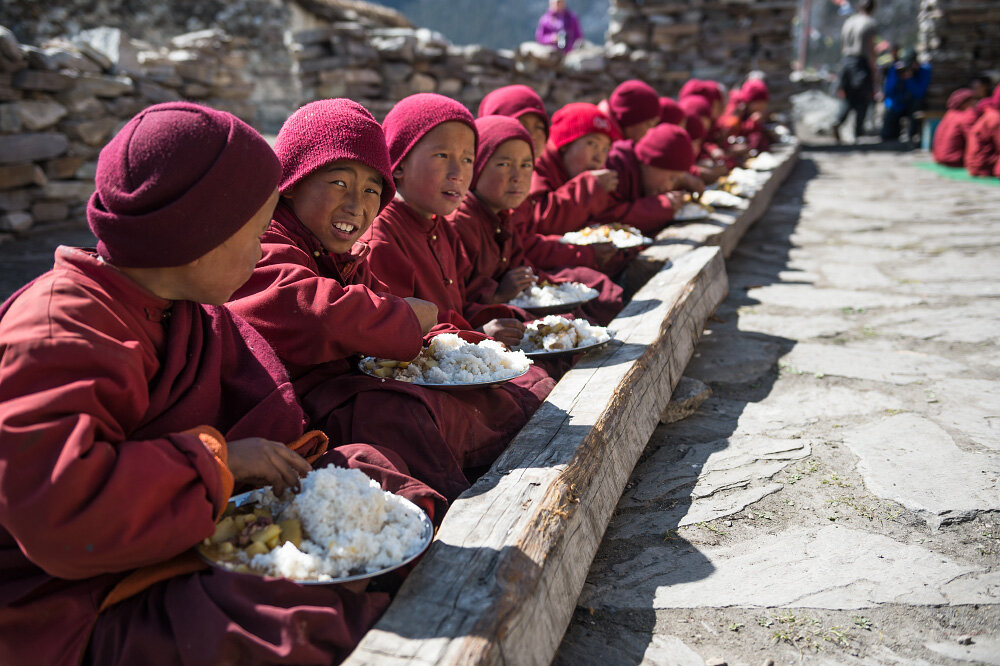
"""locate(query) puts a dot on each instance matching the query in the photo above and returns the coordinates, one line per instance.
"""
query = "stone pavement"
(836, 500)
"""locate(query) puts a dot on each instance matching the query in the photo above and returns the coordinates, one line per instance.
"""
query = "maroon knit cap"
(513, 101)
(666, 147)
(755, 90)
(175, 182)
(694, 127)
(959, 97)
(328, 130)
(494, 131)
(416, 115)
(671, 112)
(702, 88)
(579, 119)
(634, 102)
(695, 105)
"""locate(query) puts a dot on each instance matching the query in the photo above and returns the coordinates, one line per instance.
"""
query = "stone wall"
(960, 38)
(60, 103)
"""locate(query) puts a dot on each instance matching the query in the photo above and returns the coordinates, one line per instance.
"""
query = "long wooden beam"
(501, 580)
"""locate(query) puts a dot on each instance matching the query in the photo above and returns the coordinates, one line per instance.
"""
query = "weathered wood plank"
(501, 580)
(724, 228)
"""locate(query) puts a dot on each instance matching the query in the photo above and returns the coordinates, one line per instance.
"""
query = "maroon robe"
(949, 137)
(320, 313)
(648, 214)
(102, 385)
(982, 148)
(562, 204)
(496, 244)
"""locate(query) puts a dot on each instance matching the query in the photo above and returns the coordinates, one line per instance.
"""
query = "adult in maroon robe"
(117, 407)
(949, 137)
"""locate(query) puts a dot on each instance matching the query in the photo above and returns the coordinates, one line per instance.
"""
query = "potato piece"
(383, 372)
(256, 548)
(266, 534)
(386, 363)
(225, 530)
(291, 530)
(273, 543)
(262, 512)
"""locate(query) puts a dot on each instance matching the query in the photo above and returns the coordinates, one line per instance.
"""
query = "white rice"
(691, 211)
(622, 235)
(764, 162)
(545, 295)
(747, 182)
(350, 527)
(556, 333)
(723, 199)
(449, 359)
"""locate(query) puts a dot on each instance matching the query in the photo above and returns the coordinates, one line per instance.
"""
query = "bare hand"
(607, 178)
(691, 183)
(427, 313)
(508, 331)
(604, 253)
(676, 199)
(513, 283)
(261, 462)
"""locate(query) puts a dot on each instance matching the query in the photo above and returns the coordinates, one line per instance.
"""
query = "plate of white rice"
(763, 162)
(692, 211)
(722, 199)
(340, 527)
(744, 182)
(555, 336)
(547, 297)
(450, 362)
(622, 235)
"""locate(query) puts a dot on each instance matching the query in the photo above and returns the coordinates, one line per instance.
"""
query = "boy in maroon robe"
(652, 176)
(314, 297)
(949, 138)
(128, 411)
(671, 112)
(496, 242)
(982, 148)
(570, 185)
(634, 109)
(524, 104)
(747, 117)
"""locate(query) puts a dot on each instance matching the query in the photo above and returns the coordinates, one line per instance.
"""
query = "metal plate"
(449, 387)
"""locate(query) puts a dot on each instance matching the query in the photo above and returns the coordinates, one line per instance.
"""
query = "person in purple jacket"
(559, 27)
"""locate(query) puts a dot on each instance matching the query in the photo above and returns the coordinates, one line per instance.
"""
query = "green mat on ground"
(956, 173)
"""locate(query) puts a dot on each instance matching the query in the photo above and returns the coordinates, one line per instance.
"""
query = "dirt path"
(836, 500)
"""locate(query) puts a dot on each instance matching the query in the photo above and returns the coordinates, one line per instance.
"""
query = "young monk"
(496, 243)
(949, 138)
(671, 112)
(653, 172)
(705, 167)
(570, 185)
(747, 119)
(130, 406)
(314, 297)
(709, 91)
(634, 109)
(982, 148)
(432, 150)
(524, 104)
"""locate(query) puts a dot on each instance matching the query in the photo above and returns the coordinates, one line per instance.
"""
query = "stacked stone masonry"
(960, 38)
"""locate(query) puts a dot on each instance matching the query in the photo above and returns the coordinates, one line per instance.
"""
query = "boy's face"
(435, 175)
(696, 146)
(215, 276)
(504, 181)
(659, 181)
(718, 106)
(587, 153)
(637, 131)
(535, 125)
(338, 203)
(759, 107)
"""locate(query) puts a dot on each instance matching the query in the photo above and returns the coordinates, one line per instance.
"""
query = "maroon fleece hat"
(702, 88)
(513, 101)
(670, 111)
(493, 132)
(695, 105)
(754, 90)
(694, 127)
(329, 130)
(175, 182)
(579, 119)
(666, 147)
(634, 102)
(416, 115)
(959, 97)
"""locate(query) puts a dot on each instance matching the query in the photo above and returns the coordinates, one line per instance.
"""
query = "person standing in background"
(858, 75)
(906, 85)
(559, 27)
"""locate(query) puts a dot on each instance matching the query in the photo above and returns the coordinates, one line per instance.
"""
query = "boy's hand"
(258, 461)
(604, 253)
(513, 283)
(607, 178)
(427, 313)
(508, 331)
(691, 183)
(676, 198)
